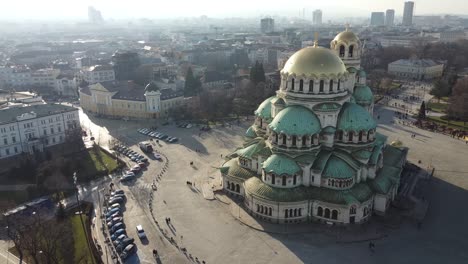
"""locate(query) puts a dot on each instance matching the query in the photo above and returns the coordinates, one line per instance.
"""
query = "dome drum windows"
(233, 187)
(340, 183)
(362, 136)
(282, 180)
(298, 142)
(327, 213)
(264, 210)
(291, 213)
(304, 85)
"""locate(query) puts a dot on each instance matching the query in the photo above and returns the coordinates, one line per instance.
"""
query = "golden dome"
(346, 36)
(314, 61)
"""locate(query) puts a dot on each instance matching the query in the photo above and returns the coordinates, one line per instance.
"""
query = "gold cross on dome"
(316, 37)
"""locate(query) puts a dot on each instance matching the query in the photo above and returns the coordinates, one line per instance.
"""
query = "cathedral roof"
(280, 164)
(264, 109)
(353, 117)
(253, 150)
(232, 169)
(338, 169)
(296, 120)
(346, 36)
(250, 133)
(314, 61)
(363, 95)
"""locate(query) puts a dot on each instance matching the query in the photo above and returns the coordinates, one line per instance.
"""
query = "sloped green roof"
(353, 117)
(387, 176)
(363, 154)
(375, 154)
(305, 159)
(280, 164)
(232, 169)
(259, 148)
(250, 133)
(338, 169)
(278, 101)
(380, 139)
(329, 130)
(295, 120)
(327, 107)
(264, 109)
(363, 95)
(393, 155)
(321, 160)
(359, 193)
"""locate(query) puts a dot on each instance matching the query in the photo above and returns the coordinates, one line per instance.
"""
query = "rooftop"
(9, 115)
(416, 63)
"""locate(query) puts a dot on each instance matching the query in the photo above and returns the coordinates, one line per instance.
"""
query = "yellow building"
(127, 99)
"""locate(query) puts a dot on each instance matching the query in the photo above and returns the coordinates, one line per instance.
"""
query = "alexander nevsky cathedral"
(313, 153)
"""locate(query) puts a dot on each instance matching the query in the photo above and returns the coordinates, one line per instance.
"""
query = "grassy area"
(452, 124)
(81, 250)
(437, 107)
(95, 161)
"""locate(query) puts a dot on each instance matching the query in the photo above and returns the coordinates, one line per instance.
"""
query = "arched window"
(228, 186)
(295, 212)
(361, 134)
(258, 208)
(330, 88)
(321, 86)
(276, 137)
(273, 179)
(294, 139)
(284, 139)
(350, 136)
(342, 50)
(339, 84)
(294, 179)
(352, 210)
(351, 51)
(334, 215)
(269, 211)
(299, 212)
(232, 186)
(340, 135)
(366, 211)
(319, 211)
(301, 85)
(304, 140)
(315, 138)
(327, 213)
(311, 86)
(369, 134)
(284, 181)
(237, 188)
(261, 122)
(286, 213)
(292, 84)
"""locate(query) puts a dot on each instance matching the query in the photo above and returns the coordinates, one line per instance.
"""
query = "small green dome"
(353, 117)
(363, 95)
(250, 133)
(338, 169)
(280, 164)
(264, 109)
(362, 74)
(296, 120)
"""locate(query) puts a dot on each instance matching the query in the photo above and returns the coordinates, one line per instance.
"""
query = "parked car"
(140, 232)
(119, 238)
(135, 169)
(118, 233)
(112, 206)
(142, 164)
(189, 126)
(173, 140)
(127, 177)
(124, 243)
(118, 196)
(144, 160)
(117, 192)
(145, 147)
(128, 251)
(116, 200)
(113, 222)
(109, 218)
(117, 226)
(113, 211)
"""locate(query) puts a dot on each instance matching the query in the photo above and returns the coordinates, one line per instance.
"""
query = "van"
(145, 147)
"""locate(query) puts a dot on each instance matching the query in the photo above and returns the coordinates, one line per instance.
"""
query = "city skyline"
(55, 9)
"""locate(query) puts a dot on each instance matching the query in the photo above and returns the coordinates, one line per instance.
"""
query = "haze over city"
(333, 9)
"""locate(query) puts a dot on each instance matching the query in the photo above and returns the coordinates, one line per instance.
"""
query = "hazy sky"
(76, 9)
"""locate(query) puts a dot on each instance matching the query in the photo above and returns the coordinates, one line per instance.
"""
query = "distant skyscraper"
(377, 19)
(408, 14)
(317, 17)
(94, 15)
(389, 18)
(267, 25)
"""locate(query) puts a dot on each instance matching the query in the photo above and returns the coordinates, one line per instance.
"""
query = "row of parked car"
(140, 160)
(114, 219)
(157, 135)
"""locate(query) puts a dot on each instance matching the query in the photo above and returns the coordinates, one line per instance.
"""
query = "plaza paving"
(210, 232)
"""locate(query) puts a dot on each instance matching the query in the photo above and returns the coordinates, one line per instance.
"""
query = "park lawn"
(437, 107)
(94, 162)
(452, 124)
(81, 250)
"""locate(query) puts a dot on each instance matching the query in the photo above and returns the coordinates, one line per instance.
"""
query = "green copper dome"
(264, 109)
(353, 117)
(363, 95)
(280, 164)
(362, 74)
(314, 61)
(296, 120)
(338, 169)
